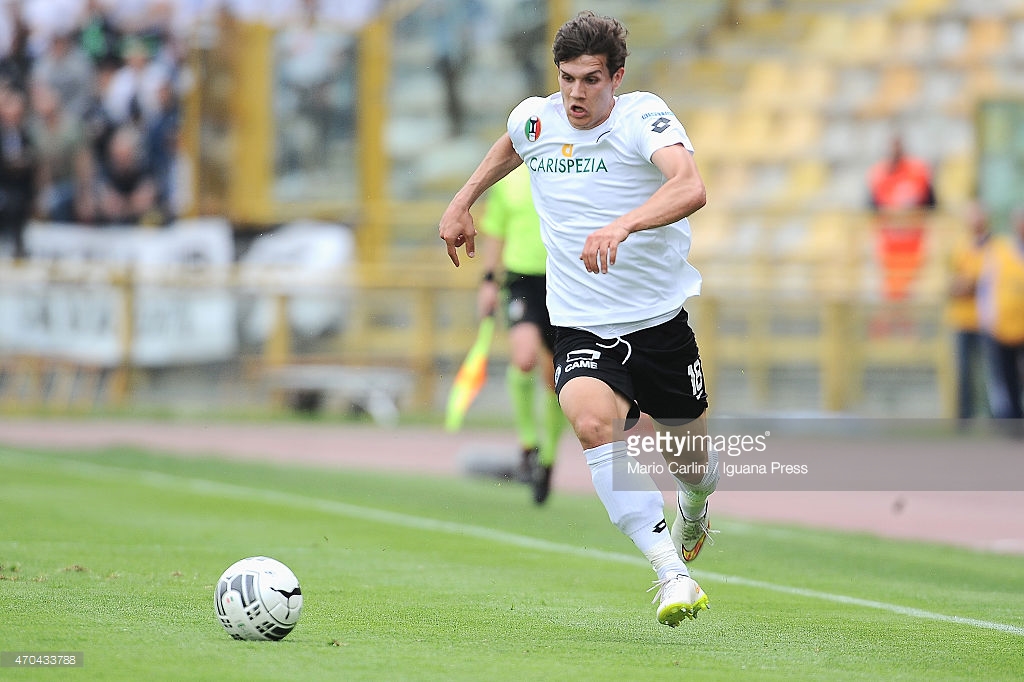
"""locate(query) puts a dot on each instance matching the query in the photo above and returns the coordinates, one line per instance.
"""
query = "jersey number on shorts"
(696, 378)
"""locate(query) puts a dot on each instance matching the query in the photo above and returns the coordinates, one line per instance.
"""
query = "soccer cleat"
(541, 483)
(680, 598)
(527, 464)
(688, 535)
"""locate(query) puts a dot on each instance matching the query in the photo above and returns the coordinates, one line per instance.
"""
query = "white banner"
(295, 258)
(83, 320)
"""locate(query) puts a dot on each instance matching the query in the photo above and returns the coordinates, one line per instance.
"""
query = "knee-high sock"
(634, 505)
(521, 390)
(554, 424)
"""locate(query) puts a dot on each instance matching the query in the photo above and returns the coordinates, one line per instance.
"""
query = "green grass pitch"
(115, 554)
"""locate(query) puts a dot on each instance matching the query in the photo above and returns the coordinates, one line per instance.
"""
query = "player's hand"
(486, 299)
(457, 229)
(601, 247)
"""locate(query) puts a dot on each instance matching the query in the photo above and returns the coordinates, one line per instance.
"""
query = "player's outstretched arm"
(456, 227)
(682, 194)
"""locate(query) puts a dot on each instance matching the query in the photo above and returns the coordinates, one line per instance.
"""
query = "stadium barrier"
(76, 333)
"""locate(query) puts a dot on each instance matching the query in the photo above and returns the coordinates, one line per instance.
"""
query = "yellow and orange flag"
(471, 376)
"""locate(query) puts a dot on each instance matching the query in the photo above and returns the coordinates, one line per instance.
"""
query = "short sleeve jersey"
(509, 215)
(582, 180)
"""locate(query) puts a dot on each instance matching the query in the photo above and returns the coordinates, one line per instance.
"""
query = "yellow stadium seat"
(767, 83)
(921, 9)
(797, 133)
(751, 136)
(913, 40)
(868, 40)
(954, 182)
(712, 235)
(806, 180)
(812, 84)
(708, 130)
(897, 89)
(827, 36)
(727, 183)
(986, 37)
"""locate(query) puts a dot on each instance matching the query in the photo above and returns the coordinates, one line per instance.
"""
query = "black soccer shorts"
(657, 369)
(527, 302)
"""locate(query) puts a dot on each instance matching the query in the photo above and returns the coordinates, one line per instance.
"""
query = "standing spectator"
(15, 56)
(99, 37)
(161, 139)
(17, 169)
(901, 187)
(59, 139)
(97, 124)
(962, 310)
(311, 55)
(64, 67)
(454, 23)
(526, 27)
(1001, 309)
(132, 96)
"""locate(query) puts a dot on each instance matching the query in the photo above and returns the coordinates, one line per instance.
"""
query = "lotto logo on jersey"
(533, 129)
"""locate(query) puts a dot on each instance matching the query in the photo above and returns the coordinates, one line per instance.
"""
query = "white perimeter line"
(218, 489)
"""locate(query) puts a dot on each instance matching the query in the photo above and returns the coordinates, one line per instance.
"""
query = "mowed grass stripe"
(369, 514)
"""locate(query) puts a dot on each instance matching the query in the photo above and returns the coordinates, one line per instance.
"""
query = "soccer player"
(613, 180)
(513, 244)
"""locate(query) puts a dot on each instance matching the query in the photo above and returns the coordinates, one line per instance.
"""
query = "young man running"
(613, 180)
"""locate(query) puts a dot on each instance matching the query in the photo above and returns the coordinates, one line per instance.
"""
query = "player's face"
(588, 91)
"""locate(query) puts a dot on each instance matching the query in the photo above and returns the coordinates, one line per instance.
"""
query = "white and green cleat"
(679, 598)
(688, 535)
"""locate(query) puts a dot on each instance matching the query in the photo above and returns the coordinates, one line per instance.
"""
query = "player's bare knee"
(592, 430)
(524, 362)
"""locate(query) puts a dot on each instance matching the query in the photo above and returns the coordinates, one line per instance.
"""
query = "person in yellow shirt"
(515, 265)
(962, 310)
(1001, 312)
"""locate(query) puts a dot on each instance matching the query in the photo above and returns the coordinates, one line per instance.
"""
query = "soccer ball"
(258, 598)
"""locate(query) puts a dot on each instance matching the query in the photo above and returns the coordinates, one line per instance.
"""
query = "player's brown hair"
(590, 34)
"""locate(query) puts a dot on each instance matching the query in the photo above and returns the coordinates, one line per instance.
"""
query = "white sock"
(664, 558)
(634, 505)
(692, 498)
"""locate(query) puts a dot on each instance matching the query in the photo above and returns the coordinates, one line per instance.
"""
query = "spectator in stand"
(455, 25)
(962, 309)
(64, 67)
(17, 169)
(526, 31)
(132, 96)
(901, 189)
(127, 186)
(99, 37)
(59, 139)
(15, 57)
(311, 54)
(161, 139)
(1001, 310)
(97, 124)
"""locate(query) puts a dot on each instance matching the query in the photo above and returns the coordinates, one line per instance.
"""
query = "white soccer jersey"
(582, 180)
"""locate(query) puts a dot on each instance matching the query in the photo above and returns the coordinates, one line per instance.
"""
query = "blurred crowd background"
(848, 148)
